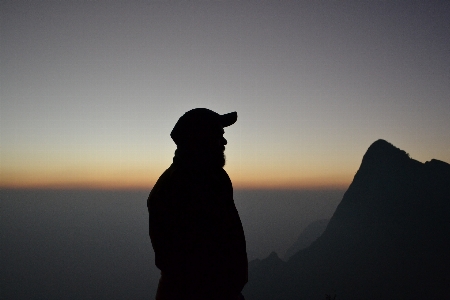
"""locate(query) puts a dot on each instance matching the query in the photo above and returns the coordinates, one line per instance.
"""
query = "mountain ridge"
(311, 232)
(388, 237)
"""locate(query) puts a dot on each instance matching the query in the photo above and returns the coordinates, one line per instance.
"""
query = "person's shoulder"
(167, 178)
(174, 175)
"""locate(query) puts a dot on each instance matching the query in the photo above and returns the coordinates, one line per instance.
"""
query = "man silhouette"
(195, 229)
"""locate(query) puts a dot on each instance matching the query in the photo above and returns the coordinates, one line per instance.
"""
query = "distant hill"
(388, 239)
(308, 235)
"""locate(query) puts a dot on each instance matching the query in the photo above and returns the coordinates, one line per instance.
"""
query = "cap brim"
(228, 119)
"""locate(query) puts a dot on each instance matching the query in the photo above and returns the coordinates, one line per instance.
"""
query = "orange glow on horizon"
(145, 181)
(135, 174)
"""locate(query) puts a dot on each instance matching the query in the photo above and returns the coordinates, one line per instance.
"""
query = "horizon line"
(81, 187)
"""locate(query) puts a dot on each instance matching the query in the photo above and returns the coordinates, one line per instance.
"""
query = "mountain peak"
(383, 155)
(273, 256)
(382, 149)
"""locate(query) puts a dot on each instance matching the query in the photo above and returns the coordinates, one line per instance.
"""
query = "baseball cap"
(198, 120)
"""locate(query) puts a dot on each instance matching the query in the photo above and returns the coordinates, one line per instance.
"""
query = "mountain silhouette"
(308, 235)
(389, 238)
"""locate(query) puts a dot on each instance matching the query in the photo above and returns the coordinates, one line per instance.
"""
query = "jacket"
(196, 231)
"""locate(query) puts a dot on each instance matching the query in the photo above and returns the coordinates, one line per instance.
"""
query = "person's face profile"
(216, 139)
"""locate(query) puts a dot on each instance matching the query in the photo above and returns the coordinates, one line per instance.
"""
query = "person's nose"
(224, 141)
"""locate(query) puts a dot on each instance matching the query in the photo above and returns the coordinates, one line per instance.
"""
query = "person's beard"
(221, 159)
(216, 158)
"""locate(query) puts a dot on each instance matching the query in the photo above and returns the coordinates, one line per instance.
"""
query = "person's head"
(199, 132)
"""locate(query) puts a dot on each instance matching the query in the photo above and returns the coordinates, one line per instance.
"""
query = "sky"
(90, 90)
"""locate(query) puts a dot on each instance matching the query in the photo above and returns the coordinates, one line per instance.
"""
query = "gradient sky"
(90, 90)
